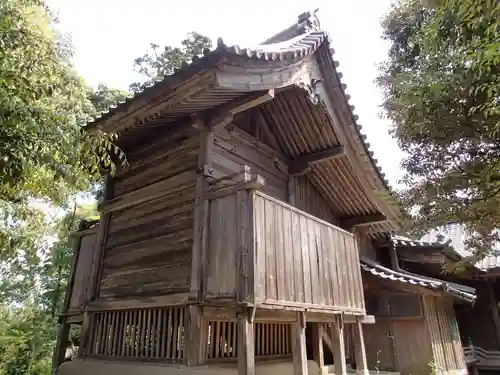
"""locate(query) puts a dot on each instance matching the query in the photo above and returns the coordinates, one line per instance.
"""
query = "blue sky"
(109, 34)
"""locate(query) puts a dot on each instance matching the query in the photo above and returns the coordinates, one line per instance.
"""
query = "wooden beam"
(359, 349)
(301, 164)
(223, 115)
(349, 223)
(299, 345)
(246, 354)
(339, 346)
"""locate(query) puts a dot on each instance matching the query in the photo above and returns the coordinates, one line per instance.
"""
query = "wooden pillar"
(339, 346)
(319, 357)
(246, 350)
(201, 213)
(359, 349)
(299, 345)
(196, 336)
(61, 346)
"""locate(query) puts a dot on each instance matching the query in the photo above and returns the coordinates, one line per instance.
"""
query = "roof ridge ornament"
(309, 21)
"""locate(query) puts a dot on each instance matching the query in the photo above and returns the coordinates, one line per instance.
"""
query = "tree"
(104, 97)
(157, 63)
(441, 86)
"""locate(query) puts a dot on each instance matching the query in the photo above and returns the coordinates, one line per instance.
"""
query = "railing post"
(196, 334)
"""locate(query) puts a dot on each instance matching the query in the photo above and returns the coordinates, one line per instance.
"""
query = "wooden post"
(339, 346)
(95, 272)
(359, 349)
(299, 345)
(494, 310)
(61, 346)
(84, 349)
(200, 233)
(318, 345)
(196, 336)
(246, 350)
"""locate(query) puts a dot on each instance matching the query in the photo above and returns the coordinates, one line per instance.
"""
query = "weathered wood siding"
(412, 345)
(302, 259)
(231, 153)
(222, 255)
(148, 247)
(307, 198)
(83, 266)
(444, 336)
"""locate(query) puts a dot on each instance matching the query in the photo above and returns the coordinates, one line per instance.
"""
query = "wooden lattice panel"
(156, 333)
(270, 340)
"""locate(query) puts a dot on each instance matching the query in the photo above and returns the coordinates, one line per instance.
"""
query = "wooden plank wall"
(232, 152)
(78, 293)
(302, 259)
(222, 266)
(148, 248)
(307, 198)
(412, 344)
(445, 340)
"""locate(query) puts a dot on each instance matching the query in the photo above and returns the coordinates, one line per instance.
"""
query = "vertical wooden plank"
(292, 181)
(229, 339)
(201, 213)
(158, 335)
(298, 269)
(306, 265)
(170, 332)
(270, 253)
(126, 334)
(260, 228)
(299, 345)
(258, 350)
(289, 255)
(359, 349)
(280, 254)
(339, 346)
(246, 355)
(435, 336)
(175, 332)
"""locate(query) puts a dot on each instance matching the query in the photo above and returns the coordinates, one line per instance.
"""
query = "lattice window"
(270, 340)
(156, 333)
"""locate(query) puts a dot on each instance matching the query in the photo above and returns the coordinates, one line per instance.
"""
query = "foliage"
(157, 63)
(104, 97)
(441, 86)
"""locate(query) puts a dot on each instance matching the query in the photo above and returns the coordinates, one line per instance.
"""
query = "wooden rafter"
(301, 164)
(361, 220)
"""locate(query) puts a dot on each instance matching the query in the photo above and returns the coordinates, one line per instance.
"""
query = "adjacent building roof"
(298, 59)
(454, 234)
(455, 290)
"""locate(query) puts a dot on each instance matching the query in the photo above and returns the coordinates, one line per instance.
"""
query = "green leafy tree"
(157, 63)
(441, 86)
(104, 97)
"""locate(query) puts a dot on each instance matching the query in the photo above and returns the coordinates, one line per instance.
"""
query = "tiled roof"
(293, 44)
(456, 290)
(454, 234)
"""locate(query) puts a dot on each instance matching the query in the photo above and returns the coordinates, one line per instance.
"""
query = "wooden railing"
(265, 252)
(483, 359)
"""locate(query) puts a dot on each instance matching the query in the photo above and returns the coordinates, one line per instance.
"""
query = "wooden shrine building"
(479, 325)
(240, 237)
